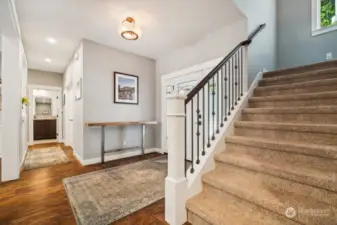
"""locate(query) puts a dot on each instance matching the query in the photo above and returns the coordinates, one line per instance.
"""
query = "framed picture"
(78, 89)
(126, 88)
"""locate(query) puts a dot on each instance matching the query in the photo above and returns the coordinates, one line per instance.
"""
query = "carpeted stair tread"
(298, 115)
(273, 193)
(301, 69)
(314, 171)
(326, 151)
(293, 97)
(328, 73)
(307, 84)
(293, 110)
(225, 209)
(312, 128)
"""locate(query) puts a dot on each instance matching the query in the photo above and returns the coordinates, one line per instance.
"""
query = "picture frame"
(126, 88)
(78, 89)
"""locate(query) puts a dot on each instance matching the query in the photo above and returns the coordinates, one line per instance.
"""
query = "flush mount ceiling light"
(47, 60)
(129, 29)
(51, 40)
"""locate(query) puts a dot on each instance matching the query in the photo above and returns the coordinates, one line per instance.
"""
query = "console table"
(102, 125)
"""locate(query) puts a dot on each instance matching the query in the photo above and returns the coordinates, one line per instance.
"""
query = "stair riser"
(295, 103)
(290, 71)
(318, 152)
(297, 90)
(288, 135)
(291, 118)
(280, 189)
(218, 192)
(327, 183)
(195, 219)
(298, 79)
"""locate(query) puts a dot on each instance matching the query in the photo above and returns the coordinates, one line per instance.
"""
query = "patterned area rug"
(105, 196)
(44, 157)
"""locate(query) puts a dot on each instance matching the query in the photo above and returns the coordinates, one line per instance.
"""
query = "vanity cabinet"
(45, 129)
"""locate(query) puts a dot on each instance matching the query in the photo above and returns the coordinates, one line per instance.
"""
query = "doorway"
(45, 115)
(172, 84)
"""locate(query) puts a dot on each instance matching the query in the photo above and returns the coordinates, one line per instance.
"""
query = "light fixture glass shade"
(128, 31)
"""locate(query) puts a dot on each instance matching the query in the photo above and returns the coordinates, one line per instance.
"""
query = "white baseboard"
(114, 156)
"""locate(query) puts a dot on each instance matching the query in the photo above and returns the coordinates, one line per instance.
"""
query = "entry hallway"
(39, 196)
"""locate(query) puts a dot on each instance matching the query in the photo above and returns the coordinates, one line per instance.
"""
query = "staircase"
(280, 165)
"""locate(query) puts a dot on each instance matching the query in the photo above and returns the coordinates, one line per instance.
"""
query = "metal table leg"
(102, 143)
(143, 139)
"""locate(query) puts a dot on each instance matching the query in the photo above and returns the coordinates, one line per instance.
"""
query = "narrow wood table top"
(100, 124)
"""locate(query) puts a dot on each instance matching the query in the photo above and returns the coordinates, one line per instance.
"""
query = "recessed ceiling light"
(48, 60)
(51, 40)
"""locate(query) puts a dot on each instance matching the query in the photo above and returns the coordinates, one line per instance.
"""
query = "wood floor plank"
(39, 198)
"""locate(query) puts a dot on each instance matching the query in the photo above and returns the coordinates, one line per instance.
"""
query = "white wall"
(74, 129)
(212, 46)
(262, 51)
(38, 77)
(14, 78)
(100, 62)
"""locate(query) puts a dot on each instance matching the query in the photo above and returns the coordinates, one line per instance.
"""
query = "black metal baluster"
(203, 121)
(185, 119)
(209, 117)
(198, 132)
(229, 87)
(213, 110)
(232, 75)
(192, 141)
(241, 72)
(217, 103)
(226, 97)
(236, 78)
(221, 97)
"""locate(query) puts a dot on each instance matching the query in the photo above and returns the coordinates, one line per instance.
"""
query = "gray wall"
(100, 62)
(38, 77)
(296, 46)
(262, 51)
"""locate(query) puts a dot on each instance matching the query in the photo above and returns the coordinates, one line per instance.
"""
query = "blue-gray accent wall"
(295, 44)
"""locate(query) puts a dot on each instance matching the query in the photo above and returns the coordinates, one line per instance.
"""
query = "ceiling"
(165, 25)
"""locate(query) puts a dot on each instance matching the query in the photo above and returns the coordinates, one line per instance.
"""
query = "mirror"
(43, 106)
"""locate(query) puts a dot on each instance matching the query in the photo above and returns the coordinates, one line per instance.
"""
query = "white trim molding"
(316, 28)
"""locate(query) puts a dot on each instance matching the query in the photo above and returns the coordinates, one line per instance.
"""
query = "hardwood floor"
(39, 197)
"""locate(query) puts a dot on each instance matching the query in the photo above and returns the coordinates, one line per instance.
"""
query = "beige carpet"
(44, 157)
(279, 166)
(105, 196)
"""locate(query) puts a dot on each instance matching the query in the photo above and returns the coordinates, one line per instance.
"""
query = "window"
(324, 16)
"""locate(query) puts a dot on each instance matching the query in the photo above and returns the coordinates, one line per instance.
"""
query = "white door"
(69, 116)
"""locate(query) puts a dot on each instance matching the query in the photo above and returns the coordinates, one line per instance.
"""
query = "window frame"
(316, 28)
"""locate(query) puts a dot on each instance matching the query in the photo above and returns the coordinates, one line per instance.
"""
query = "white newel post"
(176, 182)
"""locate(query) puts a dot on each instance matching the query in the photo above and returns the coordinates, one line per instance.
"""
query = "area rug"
(104, 196)
(44, 157)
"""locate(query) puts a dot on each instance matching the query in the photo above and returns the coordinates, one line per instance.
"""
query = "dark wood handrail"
(204, 81)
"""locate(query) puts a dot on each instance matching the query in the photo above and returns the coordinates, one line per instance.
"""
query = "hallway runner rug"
(44, 157)
(104, 196)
